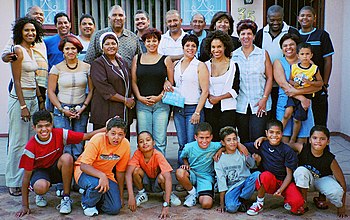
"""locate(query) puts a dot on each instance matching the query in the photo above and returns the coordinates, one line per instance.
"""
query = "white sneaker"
(141, 198)
(190, 200)
(92, 211)
(174, 200)
(40, 200)
(255, 208)
(81, 191)
(287, 206)
(66, 205)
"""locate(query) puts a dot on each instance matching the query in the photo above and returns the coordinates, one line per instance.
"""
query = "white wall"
(339, 90)
(7, 16)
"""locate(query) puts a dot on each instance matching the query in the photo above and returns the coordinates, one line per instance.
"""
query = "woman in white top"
(192, 81)
(22, 102)
(220, 107)
(71, 76)
(253, 101)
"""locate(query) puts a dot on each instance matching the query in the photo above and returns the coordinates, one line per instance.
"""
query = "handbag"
(174, 98)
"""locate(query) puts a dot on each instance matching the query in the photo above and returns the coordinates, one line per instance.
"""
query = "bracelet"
(60, 109)
(197, 113)
(85, 104)
(265, 96)
(23, 107)
(125, 100)
(326, 85)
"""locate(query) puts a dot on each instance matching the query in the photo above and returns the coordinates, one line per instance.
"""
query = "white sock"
(260, 200)
(192, 191)
(142, 190)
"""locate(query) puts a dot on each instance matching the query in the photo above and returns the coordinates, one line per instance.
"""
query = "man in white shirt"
(171, 42)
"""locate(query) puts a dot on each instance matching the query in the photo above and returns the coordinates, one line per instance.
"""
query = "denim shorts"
(51, 174)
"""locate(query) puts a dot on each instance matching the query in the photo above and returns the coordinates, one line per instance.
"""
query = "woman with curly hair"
(222, 21)
(220, 107)
(72, 77)
(253, 101)
(22, 101)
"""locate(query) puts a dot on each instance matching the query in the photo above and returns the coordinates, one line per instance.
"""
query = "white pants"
(326, 185)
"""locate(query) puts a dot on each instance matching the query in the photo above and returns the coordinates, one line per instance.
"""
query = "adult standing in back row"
(322, 49)
(128, 42)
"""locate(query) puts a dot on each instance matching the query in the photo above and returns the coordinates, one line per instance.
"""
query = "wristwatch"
(165, 204)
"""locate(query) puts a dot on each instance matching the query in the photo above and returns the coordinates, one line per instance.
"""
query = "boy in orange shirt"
(93, 171)
(149, 166)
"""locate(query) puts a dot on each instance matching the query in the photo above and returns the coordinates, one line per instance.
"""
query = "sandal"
(15, 191)
(320, 204)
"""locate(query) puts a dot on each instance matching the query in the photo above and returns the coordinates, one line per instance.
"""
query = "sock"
(260, 200)
(142, 190)
(192, 191)
(66, 196)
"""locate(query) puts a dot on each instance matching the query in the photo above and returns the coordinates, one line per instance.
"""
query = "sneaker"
(287, 206)
(59, 189)
(174, 200)
(141, 198)
(81, 191)
(66, 205)
(40, 201)
(190, 200)
(255, 208)
(89, 211)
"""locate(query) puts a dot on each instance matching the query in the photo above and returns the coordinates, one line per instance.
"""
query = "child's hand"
(165, 213)
(132, 204)
(103, 184)
(242, 149)
(185, 167)
(220, 209)
(341, 212)
(257, 158)
(217, 156)
(24, 211)
(259, 141)
(278, 193)
(306, 82)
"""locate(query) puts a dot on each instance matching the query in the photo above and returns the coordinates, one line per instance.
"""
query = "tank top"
(187, 82)
(151, 77)
(29, 66)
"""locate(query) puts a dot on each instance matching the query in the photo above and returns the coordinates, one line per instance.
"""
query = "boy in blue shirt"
(278, 161)
(198, 169)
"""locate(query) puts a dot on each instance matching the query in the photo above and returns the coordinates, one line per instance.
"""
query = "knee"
(335, 195)
(161, 179)
(66, 159)
(302, 177)
(181, 174)
(114, 210)
(138, 172)
(206, 202)
(231, 208)
(41, 186)
(265, 178)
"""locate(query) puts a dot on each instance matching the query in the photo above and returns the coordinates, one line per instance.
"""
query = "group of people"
(113, 75)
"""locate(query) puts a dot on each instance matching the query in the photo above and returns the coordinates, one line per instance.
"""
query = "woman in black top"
(149, 72)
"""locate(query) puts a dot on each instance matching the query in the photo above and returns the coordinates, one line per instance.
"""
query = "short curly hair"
(190, 38)
(18, 28)
(224, 38)
(151, 32)
(247, 24)
(73, 40)
(218, 16)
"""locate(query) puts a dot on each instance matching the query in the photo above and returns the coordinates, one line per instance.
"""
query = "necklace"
(72, 68)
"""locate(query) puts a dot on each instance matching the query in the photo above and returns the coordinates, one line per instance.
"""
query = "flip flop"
(14, 191)
(320, 204)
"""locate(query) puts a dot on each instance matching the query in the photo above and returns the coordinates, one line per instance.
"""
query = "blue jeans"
(185, 130)
(79, 125)
(244, 191)
(108, 202)
(154, 119)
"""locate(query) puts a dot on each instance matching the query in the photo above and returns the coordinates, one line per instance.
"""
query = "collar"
(285, 28)
(306, 33)
(43, 142)
(167, 34)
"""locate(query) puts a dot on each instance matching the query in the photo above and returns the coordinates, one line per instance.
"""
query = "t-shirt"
(156, 164)
(318, 166)
(298, 73)
(103, 156)
(54, 55)
(232, 170)
(200, 160)
(275, 159)
(43, 154)
(321, 46)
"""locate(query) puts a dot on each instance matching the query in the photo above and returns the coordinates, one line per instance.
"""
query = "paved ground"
(272, 210)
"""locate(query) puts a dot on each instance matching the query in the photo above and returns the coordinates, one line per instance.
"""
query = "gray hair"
(113, 8)
(198, 13)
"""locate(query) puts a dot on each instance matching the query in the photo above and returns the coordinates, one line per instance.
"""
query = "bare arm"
(327, 69)
(268, 86)
(287, 180)
(121, 179)
(25, 204)
(339, 176)
(88, 135)
(131, 197)
(168, 188)
(296, 146)
(203, 78)
(103, 183)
